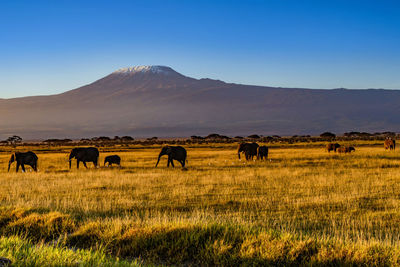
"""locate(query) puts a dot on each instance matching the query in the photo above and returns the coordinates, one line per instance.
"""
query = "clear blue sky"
(52, 46)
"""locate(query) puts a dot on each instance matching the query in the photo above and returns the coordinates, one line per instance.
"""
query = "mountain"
(158, 101)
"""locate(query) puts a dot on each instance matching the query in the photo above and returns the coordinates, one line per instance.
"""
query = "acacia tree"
(14, 140)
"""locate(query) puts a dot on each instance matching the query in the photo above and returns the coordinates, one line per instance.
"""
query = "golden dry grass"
(350, 200)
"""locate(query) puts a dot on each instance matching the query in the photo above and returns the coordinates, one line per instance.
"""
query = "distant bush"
(215, 136)
(101, 139)
(55, 141)
(195, 137)
(126, 138)
(357, 134)
(327, 135)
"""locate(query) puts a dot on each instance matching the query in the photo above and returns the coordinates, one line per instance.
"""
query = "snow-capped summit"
(145, 69)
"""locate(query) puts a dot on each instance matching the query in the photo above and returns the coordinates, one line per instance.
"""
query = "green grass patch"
(24, 252)
(55, 239)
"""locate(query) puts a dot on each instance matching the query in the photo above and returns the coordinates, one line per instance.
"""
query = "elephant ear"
(168, 149)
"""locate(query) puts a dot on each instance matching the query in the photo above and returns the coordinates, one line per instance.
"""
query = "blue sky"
(50, 46)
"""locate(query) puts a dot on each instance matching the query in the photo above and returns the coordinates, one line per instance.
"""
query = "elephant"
(249, 149)
(346, 149)
(84, 154)
(332, 146)
(262, 152)
(390, 144)
(350, 148)
(114, 159)
(22, 158)
(174, 153)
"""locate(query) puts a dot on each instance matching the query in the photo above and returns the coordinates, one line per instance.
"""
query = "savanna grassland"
(303, 206)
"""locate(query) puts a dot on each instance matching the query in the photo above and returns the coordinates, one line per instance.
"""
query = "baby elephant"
(114, 159)
(262, 152)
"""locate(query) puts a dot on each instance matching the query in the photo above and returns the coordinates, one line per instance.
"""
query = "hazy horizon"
(52, 47)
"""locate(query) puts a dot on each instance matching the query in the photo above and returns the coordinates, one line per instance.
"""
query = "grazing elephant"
(262, 152)
(84, 154)
(114, 159)
(249, 150)
(346, 149)
(350, 148)
(390, 144)
(22, 158)
(174, 153)
(332, 146)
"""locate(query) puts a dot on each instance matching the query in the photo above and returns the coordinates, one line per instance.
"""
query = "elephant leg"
(23, 167)
(34, 167)
(16, 170)
(84, 164)
(182, 163)
(77, 164)
(95, 163)
(172, 163)
(169, 160)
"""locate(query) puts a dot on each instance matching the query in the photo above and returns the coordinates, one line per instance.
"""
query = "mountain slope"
(156, 100)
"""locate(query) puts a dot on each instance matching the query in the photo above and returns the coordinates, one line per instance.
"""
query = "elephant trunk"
(71, 156)
(159, 157)
(239, 153)
(12, 159)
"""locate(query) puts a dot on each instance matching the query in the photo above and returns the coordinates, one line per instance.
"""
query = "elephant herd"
(91, 154)
(388, 144)
(338, 148)
(178, 153)
(252, 150)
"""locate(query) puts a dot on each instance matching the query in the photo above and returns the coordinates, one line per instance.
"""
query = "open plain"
(303, 206)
